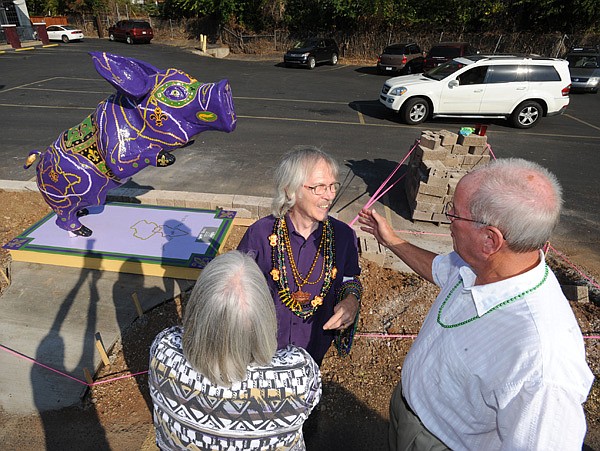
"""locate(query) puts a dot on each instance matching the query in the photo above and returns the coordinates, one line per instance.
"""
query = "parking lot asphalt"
(52, 314)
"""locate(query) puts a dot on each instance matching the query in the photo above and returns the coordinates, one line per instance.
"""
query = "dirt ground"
(353, 412)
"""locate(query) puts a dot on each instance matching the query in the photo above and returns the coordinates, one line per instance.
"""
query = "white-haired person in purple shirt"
(220, 382)
(309, 259)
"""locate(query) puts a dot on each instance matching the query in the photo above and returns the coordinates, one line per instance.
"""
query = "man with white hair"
(499, 362)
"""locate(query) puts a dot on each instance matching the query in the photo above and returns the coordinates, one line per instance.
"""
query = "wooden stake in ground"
(88, 376)
(137, 304)
(101, 349)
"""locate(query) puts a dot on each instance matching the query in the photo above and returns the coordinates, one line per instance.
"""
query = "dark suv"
(131, 31)
(405, 58)
(584, 66)
(445, 51)
(312, 51)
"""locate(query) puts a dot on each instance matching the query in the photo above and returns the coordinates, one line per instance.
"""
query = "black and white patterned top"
(264, 412)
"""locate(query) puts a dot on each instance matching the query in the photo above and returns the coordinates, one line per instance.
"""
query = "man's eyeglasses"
(319, 190)
(452, 217)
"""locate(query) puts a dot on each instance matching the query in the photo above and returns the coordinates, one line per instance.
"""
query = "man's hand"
(344, 314)
(419, 259)
(376, 225)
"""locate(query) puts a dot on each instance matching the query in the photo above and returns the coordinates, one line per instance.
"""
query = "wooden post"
(137, 304)
(88, 376)
(178, 307)
(102, 350)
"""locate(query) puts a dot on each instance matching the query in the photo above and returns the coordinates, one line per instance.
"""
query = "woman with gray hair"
(219, 382)
(309, 259)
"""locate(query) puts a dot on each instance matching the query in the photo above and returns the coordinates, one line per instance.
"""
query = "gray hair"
(229, 321)
(293, 170)
(519, 197)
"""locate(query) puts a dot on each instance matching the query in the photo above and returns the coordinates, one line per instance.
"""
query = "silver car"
(584, 66)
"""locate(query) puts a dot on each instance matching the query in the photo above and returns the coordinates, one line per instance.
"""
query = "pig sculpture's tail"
(31, 158)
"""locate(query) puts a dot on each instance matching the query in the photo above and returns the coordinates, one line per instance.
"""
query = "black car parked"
(445, 51)
(311, 52)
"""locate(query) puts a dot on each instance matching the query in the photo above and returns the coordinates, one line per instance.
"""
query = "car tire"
(65, 38)
(415, 110)
(111, 37)
(311, 63)
(526, 114)
(129, 40)
(334, 59)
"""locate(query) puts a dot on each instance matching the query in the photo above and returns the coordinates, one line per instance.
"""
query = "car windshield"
(583, 61)
(445, 52)
(306, 43)
(442, 71)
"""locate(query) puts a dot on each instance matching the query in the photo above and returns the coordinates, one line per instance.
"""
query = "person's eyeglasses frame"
(452, 217)
(334, 188)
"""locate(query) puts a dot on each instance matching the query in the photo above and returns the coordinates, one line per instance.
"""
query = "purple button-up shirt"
(307, 333)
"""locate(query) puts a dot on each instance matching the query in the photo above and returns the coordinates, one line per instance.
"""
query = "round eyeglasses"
(319, 190)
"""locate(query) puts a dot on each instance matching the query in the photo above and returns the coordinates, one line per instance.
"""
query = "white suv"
(521, 89)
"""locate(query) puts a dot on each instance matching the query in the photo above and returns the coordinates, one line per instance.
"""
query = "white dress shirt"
(514, 378)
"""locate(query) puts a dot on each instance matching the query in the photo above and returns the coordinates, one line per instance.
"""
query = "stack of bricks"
(436, 165)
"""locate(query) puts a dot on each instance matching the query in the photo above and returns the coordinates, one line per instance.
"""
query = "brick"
(423, 153)
(428, 207)
(422, 197)
(453, 160)
(472, 161)
(577, 293)
(434, 168)
(199, 201)
(452, 186)
(249, 203)
(448, 138)
(421, 216)
(433, 190)
(477, 150)
(440, 217)
(223, 201)
(430, 141)
(164, 198)
(179, 198)
(472, 140)
(459, 149)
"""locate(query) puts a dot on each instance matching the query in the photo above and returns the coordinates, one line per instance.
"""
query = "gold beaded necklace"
(299, 302)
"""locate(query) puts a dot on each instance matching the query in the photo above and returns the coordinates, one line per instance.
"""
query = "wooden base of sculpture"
(140, 239)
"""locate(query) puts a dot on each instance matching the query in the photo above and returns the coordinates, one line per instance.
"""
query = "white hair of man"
(229, 321)
(293, 171)
(519, 197)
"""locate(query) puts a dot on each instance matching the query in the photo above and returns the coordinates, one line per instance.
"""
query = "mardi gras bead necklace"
(299, 302)
(496, 307)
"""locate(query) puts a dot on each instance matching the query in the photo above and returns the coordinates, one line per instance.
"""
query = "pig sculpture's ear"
(129, 76)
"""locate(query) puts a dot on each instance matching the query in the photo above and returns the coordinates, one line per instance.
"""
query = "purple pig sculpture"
(153, 112)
